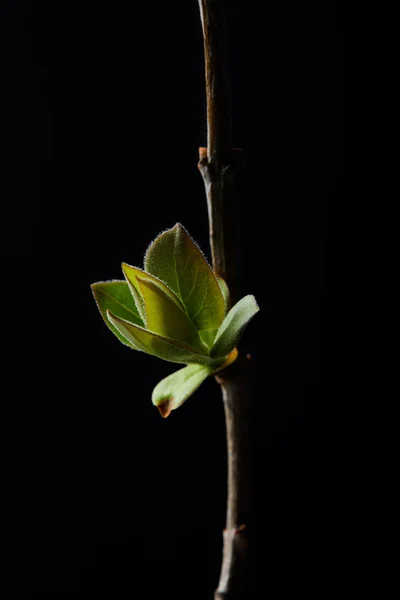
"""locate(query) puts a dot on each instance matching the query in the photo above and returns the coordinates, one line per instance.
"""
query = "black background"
(104, 112)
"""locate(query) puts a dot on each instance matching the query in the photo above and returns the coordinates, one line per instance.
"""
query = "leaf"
(131, 275)
(160, 346)
(139, 302)
(165, 317)
(233, 326)
(208, 336)
(223, 286)
(162, 311)
(174, 258)
(172, 391)
(116, 297)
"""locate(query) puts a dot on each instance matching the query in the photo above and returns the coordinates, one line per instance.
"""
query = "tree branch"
(218, 165)
(234, 385)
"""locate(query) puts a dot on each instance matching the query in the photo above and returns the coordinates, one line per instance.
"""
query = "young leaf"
(160, 346)
(208, 336)
(165, 317)
(225, 292)
(131, 275)
(174, 258)
(172, 391)
(116, 297)
(234, 323)
(139, 302)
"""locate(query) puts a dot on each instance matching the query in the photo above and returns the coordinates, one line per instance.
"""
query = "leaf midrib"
(120, 303)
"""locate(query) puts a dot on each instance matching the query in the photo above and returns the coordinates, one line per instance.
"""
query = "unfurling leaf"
(164, 313)
(233, 326)
(175, 309)
(225, 292)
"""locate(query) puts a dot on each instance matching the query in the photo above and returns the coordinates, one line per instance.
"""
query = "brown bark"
(218, 165)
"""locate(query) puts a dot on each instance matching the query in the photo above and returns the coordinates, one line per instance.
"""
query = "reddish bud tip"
(165, 408)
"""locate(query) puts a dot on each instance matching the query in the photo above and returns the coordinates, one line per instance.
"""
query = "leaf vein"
(102, 291)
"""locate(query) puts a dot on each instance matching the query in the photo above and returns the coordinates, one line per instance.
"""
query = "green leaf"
(233, 326)
(139, 302)
(157, 345)
(172, 391)
(162, 311)
(223, 286)
(131, 275)
(116, 297)
(165, 317)
(208, 336)
(174, 258)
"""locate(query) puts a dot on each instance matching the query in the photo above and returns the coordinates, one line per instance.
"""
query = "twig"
(218, 165)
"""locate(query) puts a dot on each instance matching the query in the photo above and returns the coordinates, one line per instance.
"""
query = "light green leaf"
(160, 346)
(234, 323)
(165, 317)
(139, 302)
(174, 258)
(223, 286)
(116, 297)
(172, 391)
(208, 336)
(131, 275)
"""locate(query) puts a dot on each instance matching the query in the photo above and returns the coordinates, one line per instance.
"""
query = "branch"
(219, 162)
(218, 166)
(234, 385)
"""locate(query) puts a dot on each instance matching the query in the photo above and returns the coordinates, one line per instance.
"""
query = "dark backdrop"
(104, 112)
